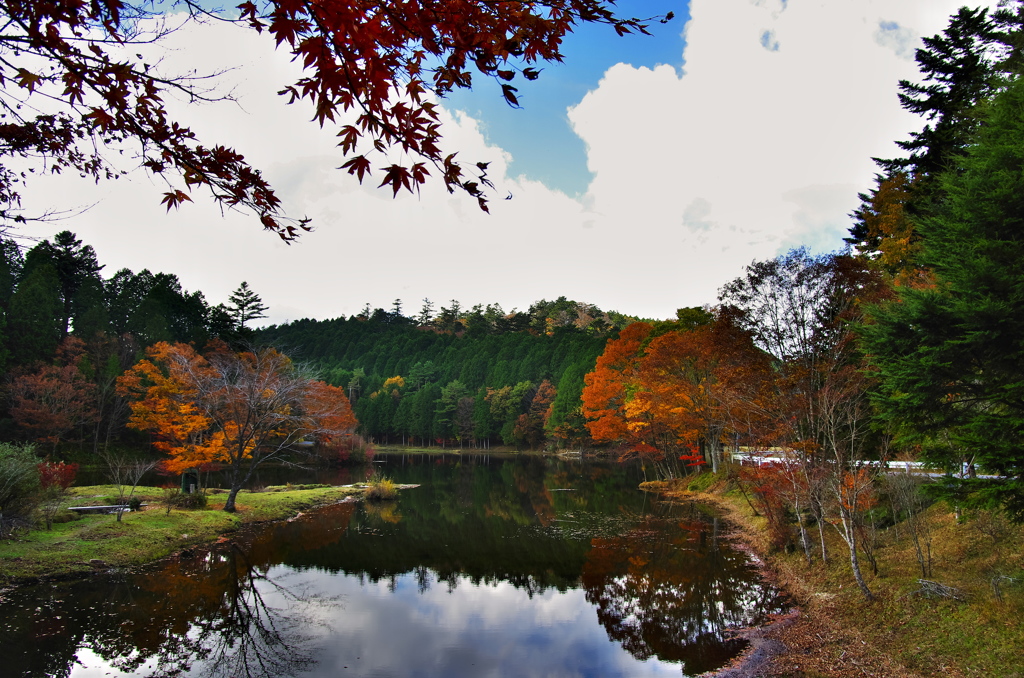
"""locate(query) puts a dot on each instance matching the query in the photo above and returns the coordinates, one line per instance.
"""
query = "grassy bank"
(80, 544)
(904, 632)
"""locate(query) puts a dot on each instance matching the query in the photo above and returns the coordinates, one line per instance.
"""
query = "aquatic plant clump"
(381, 489)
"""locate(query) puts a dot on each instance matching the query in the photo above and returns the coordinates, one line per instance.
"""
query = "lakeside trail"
(948, 593)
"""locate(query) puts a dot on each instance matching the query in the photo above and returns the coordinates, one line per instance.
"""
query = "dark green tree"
(90, 309)
(74, 264)
(951, 357)
(154, 307)
(957, 68)
(11, 263)
(446, 416)
(426, 313)
(246, 306)
(35, 317)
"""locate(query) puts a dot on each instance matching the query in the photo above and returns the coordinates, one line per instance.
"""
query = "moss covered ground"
(80, 543)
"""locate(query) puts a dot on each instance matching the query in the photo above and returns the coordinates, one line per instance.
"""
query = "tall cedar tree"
(951, 357)
(75, 93)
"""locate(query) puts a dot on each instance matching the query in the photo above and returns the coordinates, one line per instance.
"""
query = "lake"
(494, 566)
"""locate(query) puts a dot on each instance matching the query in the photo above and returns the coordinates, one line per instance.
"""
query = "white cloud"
(769, 133)
(748, 152)
(899, 39)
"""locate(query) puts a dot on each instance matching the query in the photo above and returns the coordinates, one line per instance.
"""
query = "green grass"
(703, 481)
(145, 536)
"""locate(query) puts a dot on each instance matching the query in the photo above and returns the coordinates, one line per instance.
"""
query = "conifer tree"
(246, 306)
(951, 356)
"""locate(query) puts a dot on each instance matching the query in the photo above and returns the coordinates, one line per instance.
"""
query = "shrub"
(381, 489)
(351, 449)
(55, 479)
(175, 498)
(19, 487)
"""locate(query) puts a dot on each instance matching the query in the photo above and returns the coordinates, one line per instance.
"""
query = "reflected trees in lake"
(658, 600)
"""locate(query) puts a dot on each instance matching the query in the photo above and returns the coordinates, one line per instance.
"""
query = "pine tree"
(245, 306)
(951, 357)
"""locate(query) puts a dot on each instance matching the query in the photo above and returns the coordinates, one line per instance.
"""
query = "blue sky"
(639, 185)
(538, 133)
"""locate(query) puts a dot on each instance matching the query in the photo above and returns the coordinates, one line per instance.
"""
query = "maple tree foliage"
(240, 409)
(682, 394)
(704, 387)
(607, 387)
(164, 392)
(75, 89)
(53, 400)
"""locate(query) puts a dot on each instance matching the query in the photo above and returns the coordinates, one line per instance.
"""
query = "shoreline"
(808, 641)
(149, 536)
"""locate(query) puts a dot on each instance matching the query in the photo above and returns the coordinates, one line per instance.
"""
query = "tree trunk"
(850, 536)
(821, 537)
(229, 505)
(805, 539)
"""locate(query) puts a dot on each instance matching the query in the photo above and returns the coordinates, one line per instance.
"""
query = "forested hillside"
(476, 377)
(458, 376)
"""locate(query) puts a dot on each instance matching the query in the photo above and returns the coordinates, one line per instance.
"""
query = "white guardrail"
(757, 459)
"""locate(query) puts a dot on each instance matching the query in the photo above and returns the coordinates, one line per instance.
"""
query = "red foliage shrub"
(57, 475)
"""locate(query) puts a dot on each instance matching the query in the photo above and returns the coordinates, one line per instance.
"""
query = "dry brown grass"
(902, 633)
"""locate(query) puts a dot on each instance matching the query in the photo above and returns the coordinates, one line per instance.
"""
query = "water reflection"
(520, 567)
(667, 588)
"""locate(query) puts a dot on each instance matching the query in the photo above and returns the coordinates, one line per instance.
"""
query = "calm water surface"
(521, 566)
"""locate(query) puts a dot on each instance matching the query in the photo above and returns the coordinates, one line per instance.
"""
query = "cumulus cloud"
(761, 143)
(770, 146)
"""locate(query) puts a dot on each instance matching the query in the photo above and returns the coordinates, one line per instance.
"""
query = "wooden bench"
(98, 509)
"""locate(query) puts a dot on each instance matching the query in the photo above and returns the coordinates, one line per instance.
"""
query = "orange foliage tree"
(240, 409)
(698, 386)
(610, 386)
(164, 403)
(885, 233)
(704, 387)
